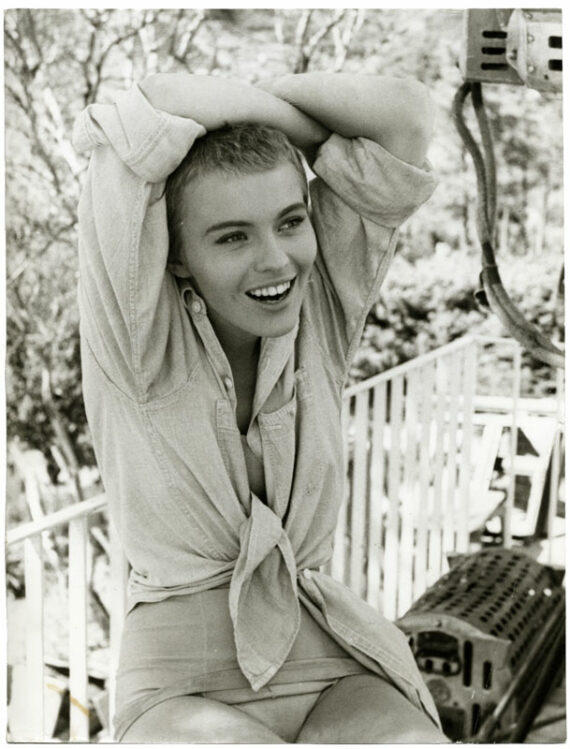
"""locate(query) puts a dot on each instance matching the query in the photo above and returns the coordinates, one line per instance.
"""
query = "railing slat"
(469, 379)
(392, 521)
(510, 501)
(78, 679)
(423, 511)
(359, 487)
(408, 500)
(454, 379)
(434, 565)
(374, 566)
(34, 579)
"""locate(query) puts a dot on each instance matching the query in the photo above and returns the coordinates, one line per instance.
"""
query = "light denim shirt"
(161, 404)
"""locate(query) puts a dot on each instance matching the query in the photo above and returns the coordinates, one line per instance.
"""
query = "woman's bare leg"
(198, 720)
(365, 709)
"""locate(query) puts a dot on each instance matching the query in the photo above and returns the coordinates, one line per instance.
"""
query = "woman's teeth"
(271, 293)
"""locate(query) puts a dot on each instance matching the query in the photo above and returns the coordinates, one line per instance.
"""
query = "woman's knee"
(367, 709)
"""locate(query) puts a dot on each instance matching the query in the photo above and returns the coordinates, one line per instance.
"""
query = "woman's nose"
(271, 255)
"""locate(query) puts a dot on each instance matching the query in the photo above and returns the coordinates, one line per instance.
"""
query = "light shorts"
(184, 645)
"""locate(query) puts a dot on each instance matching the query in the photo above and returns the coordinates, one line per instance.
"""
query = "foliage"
(430, 302)
(58, 61)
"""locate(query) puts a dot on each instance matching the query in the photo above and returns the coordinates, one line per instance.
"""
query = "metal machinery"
(519, 47)
(488, 638)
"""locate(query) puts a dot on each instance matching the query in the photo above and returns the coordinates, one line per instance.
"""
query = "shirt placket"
(227, 432)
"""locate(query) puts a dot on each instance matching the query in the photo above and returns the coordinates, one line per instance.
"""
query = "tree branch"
(342, 39)
(188, 37)
(300, 37)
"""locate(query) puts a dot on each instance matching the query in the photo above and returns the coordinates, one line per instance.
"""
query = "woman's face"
(249, 247)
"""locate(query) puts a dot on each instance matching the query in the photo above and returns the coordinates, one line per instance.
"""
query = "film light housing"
(517, 47)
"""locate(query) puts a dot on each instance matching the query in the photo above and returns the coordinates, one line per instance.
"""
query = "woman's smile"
(272, 294)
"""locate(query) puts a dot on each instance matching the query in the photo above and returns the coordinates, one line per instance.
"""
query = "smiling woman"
(219, 318)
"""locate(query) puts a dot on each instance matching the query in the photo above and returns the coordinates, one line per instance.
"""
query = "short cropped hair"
(236, 150)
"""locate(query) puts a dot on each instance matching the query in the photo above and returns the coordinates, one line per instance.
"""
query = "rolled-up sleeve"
(361, 195)
(130, 312)
(149, 141)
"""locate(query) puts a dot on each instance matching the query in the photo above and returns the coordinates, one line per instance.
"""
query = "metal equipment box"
(473, 630)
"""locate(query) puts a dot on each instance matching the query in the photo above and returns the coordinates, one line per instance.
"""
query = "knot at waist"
(263, 596)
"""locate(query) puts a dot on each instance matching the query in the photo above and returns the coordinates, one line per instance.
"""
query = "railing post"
(436, 532)
(469, 382)
(510, 500)
(78, 677)
(454, 382)
(425, 456)
(390, 591)
(410, 499)
(34, 579)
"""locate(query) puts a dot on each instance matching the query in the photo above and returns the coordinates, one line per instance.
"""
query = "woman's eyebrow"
(227, 224)
(293, 207)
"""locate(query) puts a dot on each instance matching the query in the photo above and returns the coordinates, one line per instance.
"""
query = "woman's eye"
(237, 236)
(292, 223)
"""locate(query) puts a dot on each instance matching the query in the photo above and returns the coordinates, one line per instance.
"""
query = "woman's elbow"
(422, 111)
(417, 117)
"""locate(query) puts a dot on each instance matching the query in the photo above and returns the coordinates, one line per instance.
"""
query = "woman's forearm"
(215, 102)
(395, 112)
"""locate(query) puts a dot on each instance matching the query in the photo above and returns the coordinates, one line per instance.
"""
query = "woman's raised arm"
(215, 102)
(395, 112)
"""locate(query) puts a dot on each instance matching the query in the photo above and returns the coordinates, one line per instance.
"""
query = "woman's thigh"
(365, 709)
(198, 720)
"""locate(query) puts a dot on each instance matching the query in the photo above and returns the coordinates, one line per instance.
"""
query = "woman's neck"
(243, 359)
(240, 351)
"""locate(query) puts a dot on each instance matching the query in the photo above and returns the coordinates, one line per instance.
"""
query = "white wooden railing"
(76, 518)
(413, 478)
(408, 437)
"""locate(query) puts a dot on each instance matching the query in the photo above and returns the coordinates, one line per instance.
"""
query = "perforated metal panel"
(471, 630)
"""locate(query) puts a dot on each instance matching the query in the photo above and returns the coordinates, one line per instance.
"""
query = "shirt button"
(196, 306)
(228, 383)
(307, 574)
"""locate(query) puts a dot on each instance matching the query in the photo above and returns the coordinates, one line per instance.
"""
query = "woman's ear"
(178, 269)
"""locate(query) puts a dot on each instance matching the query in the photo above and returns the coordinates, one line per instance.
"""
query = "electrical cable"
(528, 335)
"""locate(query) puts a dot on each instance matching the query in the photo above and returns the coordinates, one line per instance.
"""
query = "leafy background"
(58, 61)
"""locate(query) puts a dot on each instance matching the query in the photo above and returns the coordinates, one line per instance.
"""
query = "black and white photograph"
(284, 376)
